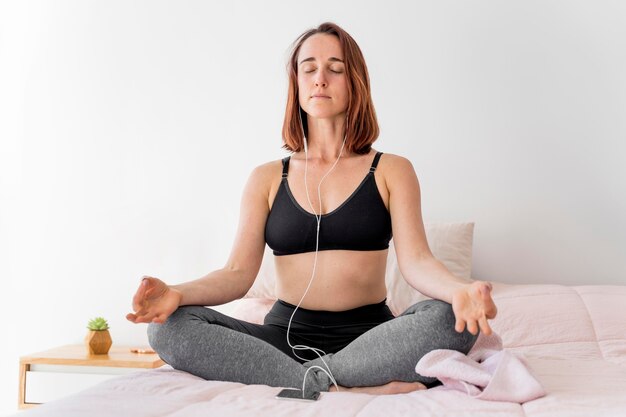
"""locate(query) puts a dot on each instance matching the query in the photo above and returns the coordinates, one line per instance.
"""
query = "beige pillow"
(451, 243)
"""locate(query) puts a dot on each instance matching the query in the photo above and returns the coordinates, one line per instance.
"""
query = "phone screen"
(296, 394)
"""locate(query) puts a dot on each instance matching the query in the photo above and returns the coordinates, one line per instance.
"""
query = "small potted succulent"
(98, 340)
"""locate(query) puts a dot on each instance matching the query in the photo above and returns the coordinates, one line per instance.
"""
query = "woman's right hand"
(154, 301)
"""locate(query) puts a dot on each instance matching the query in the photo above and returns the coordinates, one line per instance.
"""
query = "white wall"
(128, 130)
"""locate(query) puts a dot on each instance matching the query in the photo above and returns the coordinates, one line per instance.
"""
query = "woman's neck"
(325, 138)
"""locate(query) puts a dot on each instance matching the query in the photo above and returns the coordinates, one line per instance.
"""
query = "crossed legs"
(214, 346)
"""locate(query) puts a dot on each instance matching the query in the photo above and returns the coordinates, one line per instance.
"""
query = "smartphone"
(296, 394)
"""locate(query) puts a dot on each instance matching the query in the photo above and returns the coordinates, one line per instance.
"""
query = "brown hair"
(361, 124)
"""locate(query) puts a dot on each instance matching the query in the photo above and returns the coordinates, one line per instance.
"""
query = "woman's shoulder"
(267, 173)
(267, 178)
(394, 164)
(269, 168)
(396, 172)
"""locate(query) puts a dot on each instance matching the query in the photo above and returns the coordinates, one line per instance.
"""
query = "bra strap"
(375, 163)
(285, 166)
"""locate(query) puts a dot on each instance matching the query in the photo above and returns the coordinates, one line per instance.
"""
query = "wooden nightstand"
(59, 372)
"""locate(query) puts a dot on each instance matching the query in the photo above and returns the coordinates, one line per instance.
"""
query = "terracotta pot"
(98, 342)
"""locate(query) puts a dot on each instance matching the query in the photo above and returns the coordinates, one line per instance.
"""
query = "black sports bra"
(361, 223)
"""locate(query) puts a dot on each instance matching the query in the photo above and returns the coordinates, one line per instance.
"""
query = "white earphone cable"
(318, 218)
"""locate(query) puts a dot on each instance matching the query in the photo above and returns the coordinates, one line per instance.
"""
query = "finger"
(486, 284)
(144, 315)
(140, 294)
(160, 318)
(490, 307)
(485, 290)
(460, 325)
(136, 318)
(145, 318)
(153, 289)
(472, 327)
(484, 326)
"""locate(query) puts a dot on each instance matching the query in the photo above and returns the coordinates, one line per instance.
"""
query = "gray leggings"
(214, 346)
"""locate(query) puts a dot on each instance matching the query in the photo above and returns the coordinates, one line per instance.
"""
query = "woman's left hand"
(472, 306)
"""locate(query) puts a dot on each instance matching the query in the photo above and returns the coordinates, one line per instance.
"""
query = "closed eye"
(336, 72)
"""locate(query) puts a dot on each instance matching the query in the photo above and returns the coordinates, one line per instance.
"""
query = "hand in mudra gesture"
(154, 301)
(472, 306)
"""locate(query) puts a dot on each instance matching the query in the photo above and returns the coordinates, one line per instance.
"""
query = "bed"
(572, 337)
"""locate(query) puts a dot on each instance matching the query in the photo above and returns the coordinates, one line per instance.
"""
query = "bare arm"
(154, 301)
(470, 299)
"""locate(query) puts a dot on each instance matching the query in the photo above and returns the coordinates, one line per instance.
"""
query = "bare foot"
(394, 387)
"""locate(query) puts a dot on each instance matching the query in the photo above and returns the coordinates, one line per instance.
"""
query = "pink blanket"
(487, 372)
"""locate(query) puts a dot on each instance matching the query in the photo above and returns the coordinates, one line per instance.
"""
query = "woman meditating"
(328, 212)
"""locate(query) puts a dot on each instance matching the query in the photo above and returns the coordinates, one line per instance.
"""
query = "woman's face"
(322, 81)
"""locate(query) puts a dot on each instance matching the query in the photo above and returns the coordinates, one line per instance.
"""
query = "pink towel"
(487, 372)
